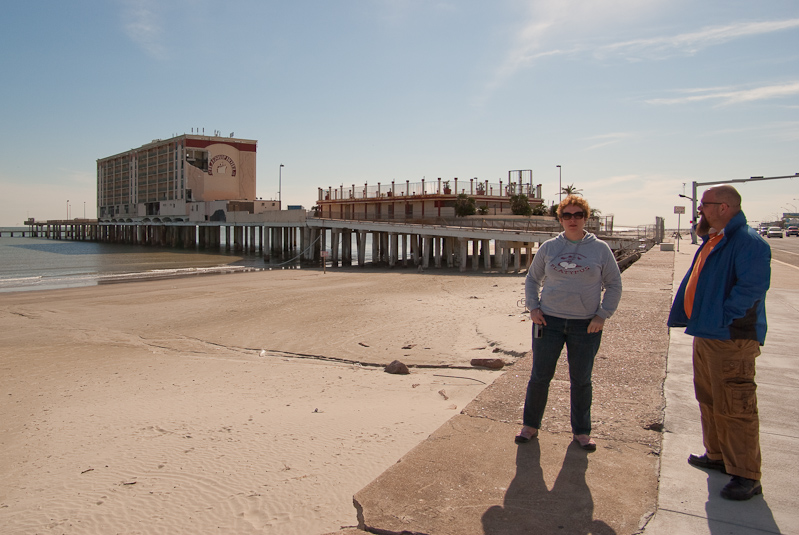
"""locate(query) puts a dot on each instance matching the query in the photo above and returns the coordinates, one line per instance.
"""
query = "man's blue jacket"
(730, 299)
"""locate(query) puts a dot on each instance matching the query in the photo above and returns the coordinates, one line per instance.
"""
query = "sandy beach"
(242, 403)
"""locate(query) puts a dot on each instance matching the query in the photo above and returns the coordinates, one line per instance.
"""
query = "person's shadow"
(529, 507)
(722, 514)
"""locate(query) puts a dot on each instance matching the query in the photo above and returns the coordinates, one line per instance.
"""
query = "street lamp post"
(67, 209)
(280, 187)
(693, 218)
(560, 185)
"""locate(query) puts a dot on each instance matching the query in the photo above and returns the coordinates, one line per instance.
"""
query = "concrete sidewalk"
(470, 478)
(688, 498)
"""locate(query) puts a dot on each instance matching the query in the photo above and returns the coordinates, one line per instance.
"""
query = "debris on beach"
(443, 394)
(493, 364)
(398, 368)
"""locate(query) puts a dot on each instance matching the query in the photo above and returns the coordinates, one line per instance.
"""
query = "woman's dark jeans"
(581, 348)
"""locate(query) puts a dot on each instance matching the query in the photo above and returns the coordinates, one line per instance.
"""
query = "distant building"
(420, 201)
(184, 178)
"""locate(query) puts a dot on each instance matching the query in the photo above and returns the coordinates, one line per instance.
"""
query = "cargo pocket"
(741, 399)
(738, 369)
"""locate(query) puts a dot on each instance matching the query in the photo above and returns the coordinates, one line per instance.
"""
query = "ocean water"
(40, 263)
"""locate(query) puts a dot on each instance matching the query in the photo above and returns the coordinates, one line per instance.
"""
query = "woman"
(563, 291)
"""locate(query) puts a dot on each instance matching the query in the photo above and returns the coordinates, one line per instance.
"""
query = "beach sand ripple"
(244, 403)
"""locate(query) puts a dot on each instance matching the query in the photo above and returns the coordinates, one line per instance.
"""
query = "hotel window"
(198, 158)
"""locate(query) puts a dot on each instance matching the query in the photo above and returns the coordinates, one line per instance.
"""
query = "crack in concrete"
(378, 531)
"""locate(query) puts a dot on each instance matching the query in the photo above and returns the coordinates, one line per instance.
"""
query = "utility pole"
(280, 187)
(560, 185)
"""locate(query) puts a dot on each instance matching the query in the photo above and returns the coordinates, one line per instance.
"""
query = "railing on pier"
(435, 187)
(532, 224)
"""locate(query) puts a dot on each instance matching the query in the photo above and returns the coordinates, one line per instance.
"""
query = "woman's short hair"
(574, 200)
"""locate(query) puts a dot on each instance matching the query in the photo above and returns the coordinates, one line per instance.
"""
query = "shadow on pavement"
(718, 509)
(528, 498)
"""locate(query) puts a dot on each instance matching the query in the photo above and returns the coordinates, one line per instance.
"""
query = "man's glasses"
(568, 215)
(706, 203)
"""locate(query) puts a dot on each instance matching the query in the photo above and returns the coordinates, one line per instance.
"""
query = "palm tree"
(571, 190)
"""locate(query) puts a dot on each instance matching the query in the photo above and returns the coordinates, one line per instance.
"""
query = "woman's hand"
(596, 324)
(537, 316)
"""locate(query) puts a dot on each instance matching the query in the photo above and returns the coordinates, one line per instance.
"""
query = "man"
(721, 302)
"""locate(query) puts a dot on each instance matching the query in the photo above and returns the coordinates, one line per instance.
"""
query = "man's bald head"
(728, 195)
(719, 205)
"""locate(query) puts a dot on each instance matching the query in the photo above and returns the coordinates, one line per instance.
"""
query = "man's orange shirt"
(690, 289)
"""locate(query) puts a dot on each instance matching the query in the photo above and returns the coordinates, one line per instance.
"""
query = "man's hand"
(596, 324)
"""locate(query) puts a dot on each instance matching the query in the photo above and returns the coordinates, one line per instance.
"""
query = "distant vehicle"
(763, 230)
(792, 231)
(774, 232)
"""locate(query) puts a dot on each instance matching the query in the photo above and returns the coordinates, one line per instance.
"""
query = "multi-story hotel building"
(188, 177)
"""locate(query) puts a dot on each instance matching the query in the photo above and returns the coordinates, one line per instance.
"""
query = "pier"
(18, 234)
(465, 243)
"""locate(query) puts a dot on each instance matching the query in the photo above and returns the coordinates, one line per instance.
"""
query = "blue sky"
(633, 98)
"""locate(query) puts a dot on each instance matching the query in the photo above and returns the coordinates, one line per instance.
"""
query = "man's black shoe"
(740, 488)
(702, 461)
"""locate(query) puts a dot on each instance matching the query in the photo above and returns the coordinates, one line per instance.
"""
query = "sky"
(634, 99)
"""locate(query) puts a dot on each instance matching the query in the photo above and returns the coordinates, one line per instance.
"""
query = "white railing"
(453, 187)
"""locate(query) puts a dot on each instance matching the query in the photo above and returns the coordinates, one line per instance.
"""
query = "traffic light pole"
(695, 203)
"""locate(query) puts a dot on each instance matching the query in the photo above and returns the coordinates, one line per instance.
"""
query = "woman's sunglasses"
(568, 215)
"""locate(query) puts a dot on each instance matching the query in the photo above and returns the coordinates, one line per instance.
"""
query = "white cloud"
(780, 130)
(607, 139)
(692, 42)
(142, 25)
(728, 96)
(640, 197)
(618, 179)
(551, 27)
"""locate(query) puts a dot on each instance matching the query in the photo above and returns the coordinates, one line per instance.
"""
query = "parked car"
(763, 230)
(792, 231)
(774, 232)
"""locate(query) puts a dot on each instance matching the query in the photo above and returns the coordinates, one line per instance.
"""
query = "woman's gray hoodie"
(566, 279)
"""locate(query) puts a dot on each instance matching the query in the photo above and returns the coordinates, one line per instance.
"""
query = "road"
(785, 249)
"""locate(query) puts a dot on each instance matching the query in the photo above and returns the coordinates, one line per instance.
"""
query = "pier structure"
(493, 245)
(194, 191)
(265, 237)
(424, 245)
(502, 247)
(410, 201)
